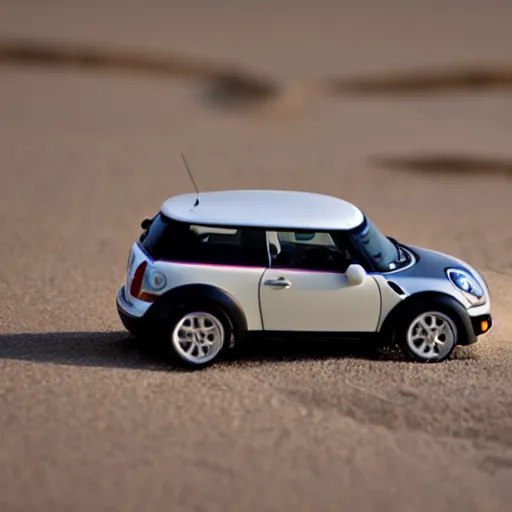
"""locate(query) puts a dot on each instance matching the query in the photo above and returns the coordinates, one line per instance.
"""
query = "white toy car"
(208, 271)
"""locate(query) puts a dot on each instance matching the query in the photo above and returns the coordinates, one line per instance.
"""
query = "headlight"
(156, 280)
(467, 284)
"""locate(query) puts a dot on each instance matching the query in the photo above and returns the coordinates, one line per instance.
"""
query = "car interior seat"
(274, 244)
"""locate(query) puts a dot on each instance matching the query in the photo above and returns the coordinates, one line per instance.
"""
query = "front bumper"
(476, 326)
(481, 324)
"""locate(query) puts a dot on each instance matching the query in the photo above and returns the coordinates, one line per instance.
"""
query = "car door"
(301, 292)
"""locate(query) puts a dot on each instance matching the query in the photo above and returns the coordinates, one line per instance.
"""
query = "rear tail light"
(137, 279)
(136, 287)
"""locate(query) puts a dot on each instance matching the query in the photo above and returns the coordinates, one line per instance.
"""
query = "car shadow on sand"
(95, 349)
(121, 350)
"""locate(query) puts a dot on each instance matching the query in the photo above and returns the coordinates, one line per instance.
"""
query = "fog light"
(484, 325)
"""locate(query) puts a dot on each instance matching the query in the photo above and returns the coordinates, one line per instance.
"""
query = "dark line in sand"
(228, 86)
(454, 79)
(448, 164)
(225, 85)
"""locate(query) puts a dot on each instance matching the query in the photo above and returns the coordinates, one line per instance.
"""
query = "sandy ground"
(89, 423)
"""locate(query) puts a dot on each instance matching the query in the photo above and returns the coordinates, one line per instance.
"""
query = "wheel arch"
(181, 297)
(445, 302)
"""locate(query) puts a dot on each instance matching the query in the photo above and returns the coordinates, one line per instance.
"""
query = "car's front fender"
(428, 300)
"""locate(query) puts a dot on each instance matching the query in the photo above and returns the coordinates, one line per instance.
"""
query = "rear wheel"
(197, 336)
(428, 336)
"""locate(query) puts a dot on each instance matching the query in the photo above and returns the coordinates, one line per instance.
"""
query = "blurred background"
(403, 108)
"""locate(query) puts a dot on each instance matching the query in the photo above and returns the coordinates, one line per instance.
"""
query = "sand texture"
(404, 108)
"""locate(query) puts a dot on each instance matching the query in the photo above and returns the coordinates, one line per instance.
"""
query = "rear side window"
(167, 239)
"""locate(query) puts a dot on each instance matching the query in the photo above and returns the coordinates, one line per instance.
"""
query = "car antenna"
(191, 178)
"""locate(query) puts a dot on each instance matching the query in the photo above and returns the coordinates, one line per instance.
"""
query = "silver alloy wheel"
(198, 337)
(432, 335)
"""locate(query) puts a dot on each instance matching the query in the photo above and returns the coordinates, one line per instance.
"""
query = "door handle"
(280, 283)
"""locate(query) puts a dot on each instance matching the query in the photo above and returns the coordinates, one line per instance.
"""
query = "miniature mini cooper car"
(208, 272)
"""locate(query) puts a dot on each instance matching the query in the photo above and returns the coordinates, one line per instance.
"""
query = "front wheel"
(429, 336)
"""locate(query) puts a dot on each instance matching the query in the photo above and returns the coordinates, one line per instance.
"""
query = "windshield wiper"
(402, 255)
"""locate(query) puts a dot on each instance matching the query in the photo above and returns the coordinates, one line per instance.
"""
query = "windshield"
(383, 253)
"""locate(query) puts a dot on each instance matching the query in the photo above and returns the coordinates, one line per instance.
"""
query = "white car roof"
(264, 208)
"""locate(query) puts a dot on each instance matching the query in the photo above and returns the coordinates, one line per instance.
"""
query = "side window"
(228, 246)
(188, 243)
(307, 251)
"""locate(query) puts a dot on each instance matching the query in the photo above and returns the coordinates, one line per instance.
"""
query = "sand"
(404, 109)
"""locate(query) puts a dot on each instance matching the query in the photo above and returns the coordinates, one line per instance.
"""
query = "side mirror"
(356, 275)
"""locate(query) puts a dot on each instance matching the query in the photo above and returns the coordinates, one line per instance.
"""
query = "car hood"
(429, 273)
(432, 264)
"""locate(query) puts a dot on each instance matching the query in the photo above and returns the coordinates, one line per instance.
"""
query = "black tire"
(215, 318)
(411, 334)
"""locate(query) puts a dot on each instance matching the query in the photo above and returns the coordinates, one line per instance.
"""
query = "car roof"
(281, 209)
